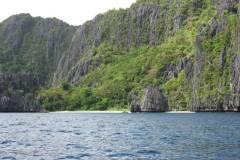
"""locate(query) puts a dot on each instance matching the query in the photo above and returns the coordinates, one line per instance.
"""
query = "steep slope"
(29, 52)
(144, 23)
(154, 56)
(189, 48)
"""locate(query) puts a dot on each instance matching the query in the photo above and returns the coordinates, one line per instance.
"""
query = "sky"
(74, 12)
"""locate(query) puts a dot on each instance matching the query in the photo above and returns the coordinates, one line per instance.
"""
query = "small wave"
(120, 155)
(78, 157)
(64, 131)
(108, 150)
(45, 130)
(149, 152)
(77, 133)
(9, 158)
(7, 142)
(18, 124)
(77, 146)
(117, 133)
(69, 158)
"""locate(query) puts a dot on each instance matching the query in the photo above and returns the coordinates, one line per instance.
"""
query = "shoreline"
(120, 112)
(179, 112)
(104, 112)
(98, 112)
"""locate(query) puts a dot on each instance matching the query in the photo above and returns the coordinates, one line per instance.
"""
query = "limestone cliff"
(144, 23)
(152, 101)
(188, 48)
(30, 49)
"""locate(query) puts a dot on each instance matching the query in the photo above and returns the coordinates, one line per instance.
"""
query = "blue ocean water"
(119, 136)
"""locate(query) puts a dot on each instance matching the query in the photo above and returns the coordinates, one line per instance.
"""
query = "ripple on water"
(28, 145)
(77, 133)
(121, 155)
(45, 130)
(18, 124)
(148, 152)
(77, 146)
(64, 131)
(117, 133)
(7, 142)
(77, 157)
(108, 150)
(69, 158)
(8, 158)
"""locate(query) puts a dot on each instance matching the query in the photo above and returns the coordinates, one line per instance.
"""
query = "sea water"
(119, 136)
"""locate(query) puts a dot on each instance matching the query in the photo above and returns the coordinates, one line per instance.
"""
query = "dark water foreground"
(120, 136)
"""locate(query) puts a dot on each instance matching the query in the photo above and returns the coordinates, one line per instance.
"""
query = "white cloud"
(74, 12)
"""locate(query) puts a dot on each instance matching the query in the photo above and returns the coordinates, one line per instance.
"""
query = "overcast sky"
(74, 12)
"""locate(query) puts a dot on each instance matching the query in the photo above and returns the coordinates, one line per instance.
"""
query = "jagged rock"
(154, 100)
(228, 5)
(196, 4)
(153, 39)
(171, 72)
(217, 102)
(189, 71)
(17, 93)
(29, 53)
(213, 27)
(80, 70)
(182, 64)
(143, 23)
(135, 102)
(235, 98)
(222, 58)
(18, 103)
(200, 57)
(49, 51)
(178, 18)
(197, 69)
(231, 103)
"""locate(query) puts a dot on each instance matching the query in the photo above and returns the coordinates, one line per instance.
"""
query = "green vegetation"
(108, 86)
(121, 71)
(126, 60)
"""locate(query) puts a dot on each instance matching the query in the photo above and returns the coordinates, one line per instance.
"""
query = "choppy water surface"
(120, 136)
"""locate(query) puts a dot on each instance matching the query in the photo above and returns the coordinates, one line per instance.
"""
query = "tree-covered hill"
(154, 56)
(30, 49)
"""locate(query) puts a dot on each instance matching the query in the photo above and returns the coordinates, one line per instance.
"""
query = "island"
(155, 56)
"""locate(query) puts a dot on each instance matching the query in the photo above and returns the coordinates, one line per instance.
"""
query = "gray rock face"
(189, 71)
(135, 103)
(29, 53)
(172, 71)
(234, 100)
(217, 102)
(80, 70)
(17, 93)
(13, 30)
(222, 58)
(153, 101)
(141, 24)
(228, 5)
(55, 51)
